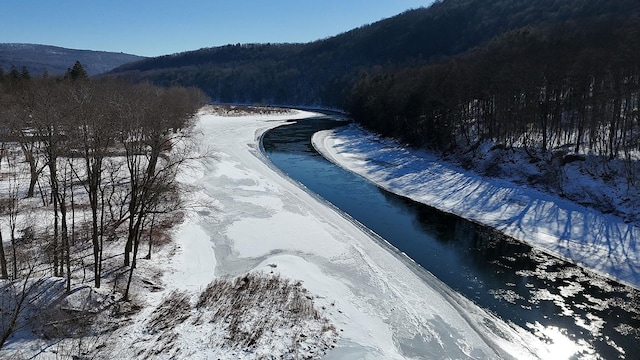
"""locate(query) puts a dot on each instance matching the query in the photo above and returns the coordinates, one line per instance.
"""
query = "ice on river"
(252, 217)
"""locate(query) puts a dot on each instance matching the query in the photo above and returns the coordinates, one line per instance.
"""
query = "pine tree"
(25, 73)
(77, 72)
(14, 74)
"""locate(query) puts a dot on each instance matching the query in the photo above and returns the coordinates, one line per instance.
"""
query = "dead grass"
(174, 310)
(242, 110)
(253, 308)
(258, 314)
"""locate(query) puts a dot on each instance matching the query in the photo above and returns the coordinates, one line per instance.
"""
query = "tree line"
(322, 72)
(574, 86)
(100, 156)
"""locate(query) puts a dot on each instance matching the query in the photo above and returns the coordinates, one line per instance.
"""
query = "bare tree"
(4, 274)
(12, 209)
(160, 122)
(5, 102)
(65, 181)
(58, 121)
(46, 110)
(95, 134)
(20, 300)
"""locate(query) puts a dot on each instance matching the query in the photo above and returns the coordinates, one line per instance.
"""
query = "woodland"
(550, 95)
(557, 80)
(86, 165)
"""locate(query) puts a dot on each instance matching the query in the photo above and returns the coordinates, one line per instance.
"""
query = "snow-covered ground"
(603, 243)
(247, 216)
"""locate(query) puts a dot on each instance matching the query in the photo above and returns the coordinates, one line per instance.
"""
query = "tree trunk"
(133, 210)
(94, 183)
(153, 220)
(56, 219)
(33, 171)
(3, 261)
(102, 208)
(66, 247)
(12, 225)
(133, 266)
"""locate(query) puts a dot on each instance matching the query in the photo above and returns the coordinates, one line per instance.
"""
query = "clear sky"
(158, 27)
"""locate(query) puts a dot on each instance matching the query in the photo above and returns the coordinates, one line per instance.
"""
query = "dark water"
(556, 300)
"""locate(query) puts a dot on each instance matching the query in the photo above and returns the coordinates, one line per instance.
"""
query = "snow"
(603, 243)
(244, 216)
(250, 217)
(196, 262)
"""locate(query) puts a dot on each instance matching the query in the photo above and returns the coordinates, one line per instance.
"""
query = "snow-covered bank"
(250, 217)
(603, 243)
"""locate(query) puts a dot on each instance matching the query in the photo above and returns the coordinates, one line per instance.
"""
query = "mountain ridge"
(322, 72)
(56, 60)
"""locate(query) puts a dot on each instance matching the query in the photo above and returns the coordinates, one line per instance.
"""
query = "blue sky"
(157, 27)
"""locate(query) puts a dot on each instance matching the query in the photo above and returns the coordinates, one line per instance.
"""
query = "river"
(554, 299)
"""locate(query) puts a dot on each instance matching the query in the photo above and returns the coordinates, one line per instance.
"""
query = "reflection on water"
(580, 313)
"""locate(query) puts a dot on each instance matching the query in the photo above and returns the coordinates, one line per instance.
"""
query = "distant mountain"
(57, 60)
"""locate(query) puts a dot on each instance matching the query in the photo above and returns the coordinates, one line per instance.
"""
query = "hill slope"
(56, 60)
(322, 72)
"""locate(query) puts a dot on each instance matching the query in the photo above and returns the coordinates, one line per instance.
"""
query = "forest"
(555, 79)
(323, 72)
(86, 165)
(542, 88)
(559, 93)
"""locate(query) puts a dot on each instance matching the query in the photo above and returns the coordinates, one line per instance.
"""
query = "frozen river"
(551, 298)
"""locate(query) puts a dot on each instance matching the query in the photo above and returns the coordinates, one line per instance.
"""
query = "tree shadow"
(601, 242)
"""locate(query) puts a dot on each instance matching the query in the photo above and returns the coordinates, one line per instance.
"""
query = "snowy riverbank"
(602, 243)
(250, 217)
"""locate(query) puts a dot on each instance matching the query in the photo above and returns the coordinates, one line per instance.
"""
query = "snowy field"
(603, 243)
(249, 217)
(245, 217)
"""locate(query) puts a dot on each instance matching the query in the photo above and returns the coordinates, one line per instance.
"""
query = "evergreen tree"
(14, 74)
(77, 72)
(25, 73)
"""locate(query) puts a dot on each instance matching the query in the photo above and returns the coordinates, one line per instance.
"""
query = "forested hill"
(56, 60)
(322, 72)
(544, 105)
(563, 82)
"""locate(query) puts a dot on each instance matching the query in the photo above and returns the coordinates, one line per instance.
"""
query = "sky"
(160, 27)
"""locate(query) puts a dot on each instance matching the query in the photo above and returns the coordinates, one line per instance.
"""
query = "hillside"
(550, 84)
(548, 105)
(322, 72)
(57, 60)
